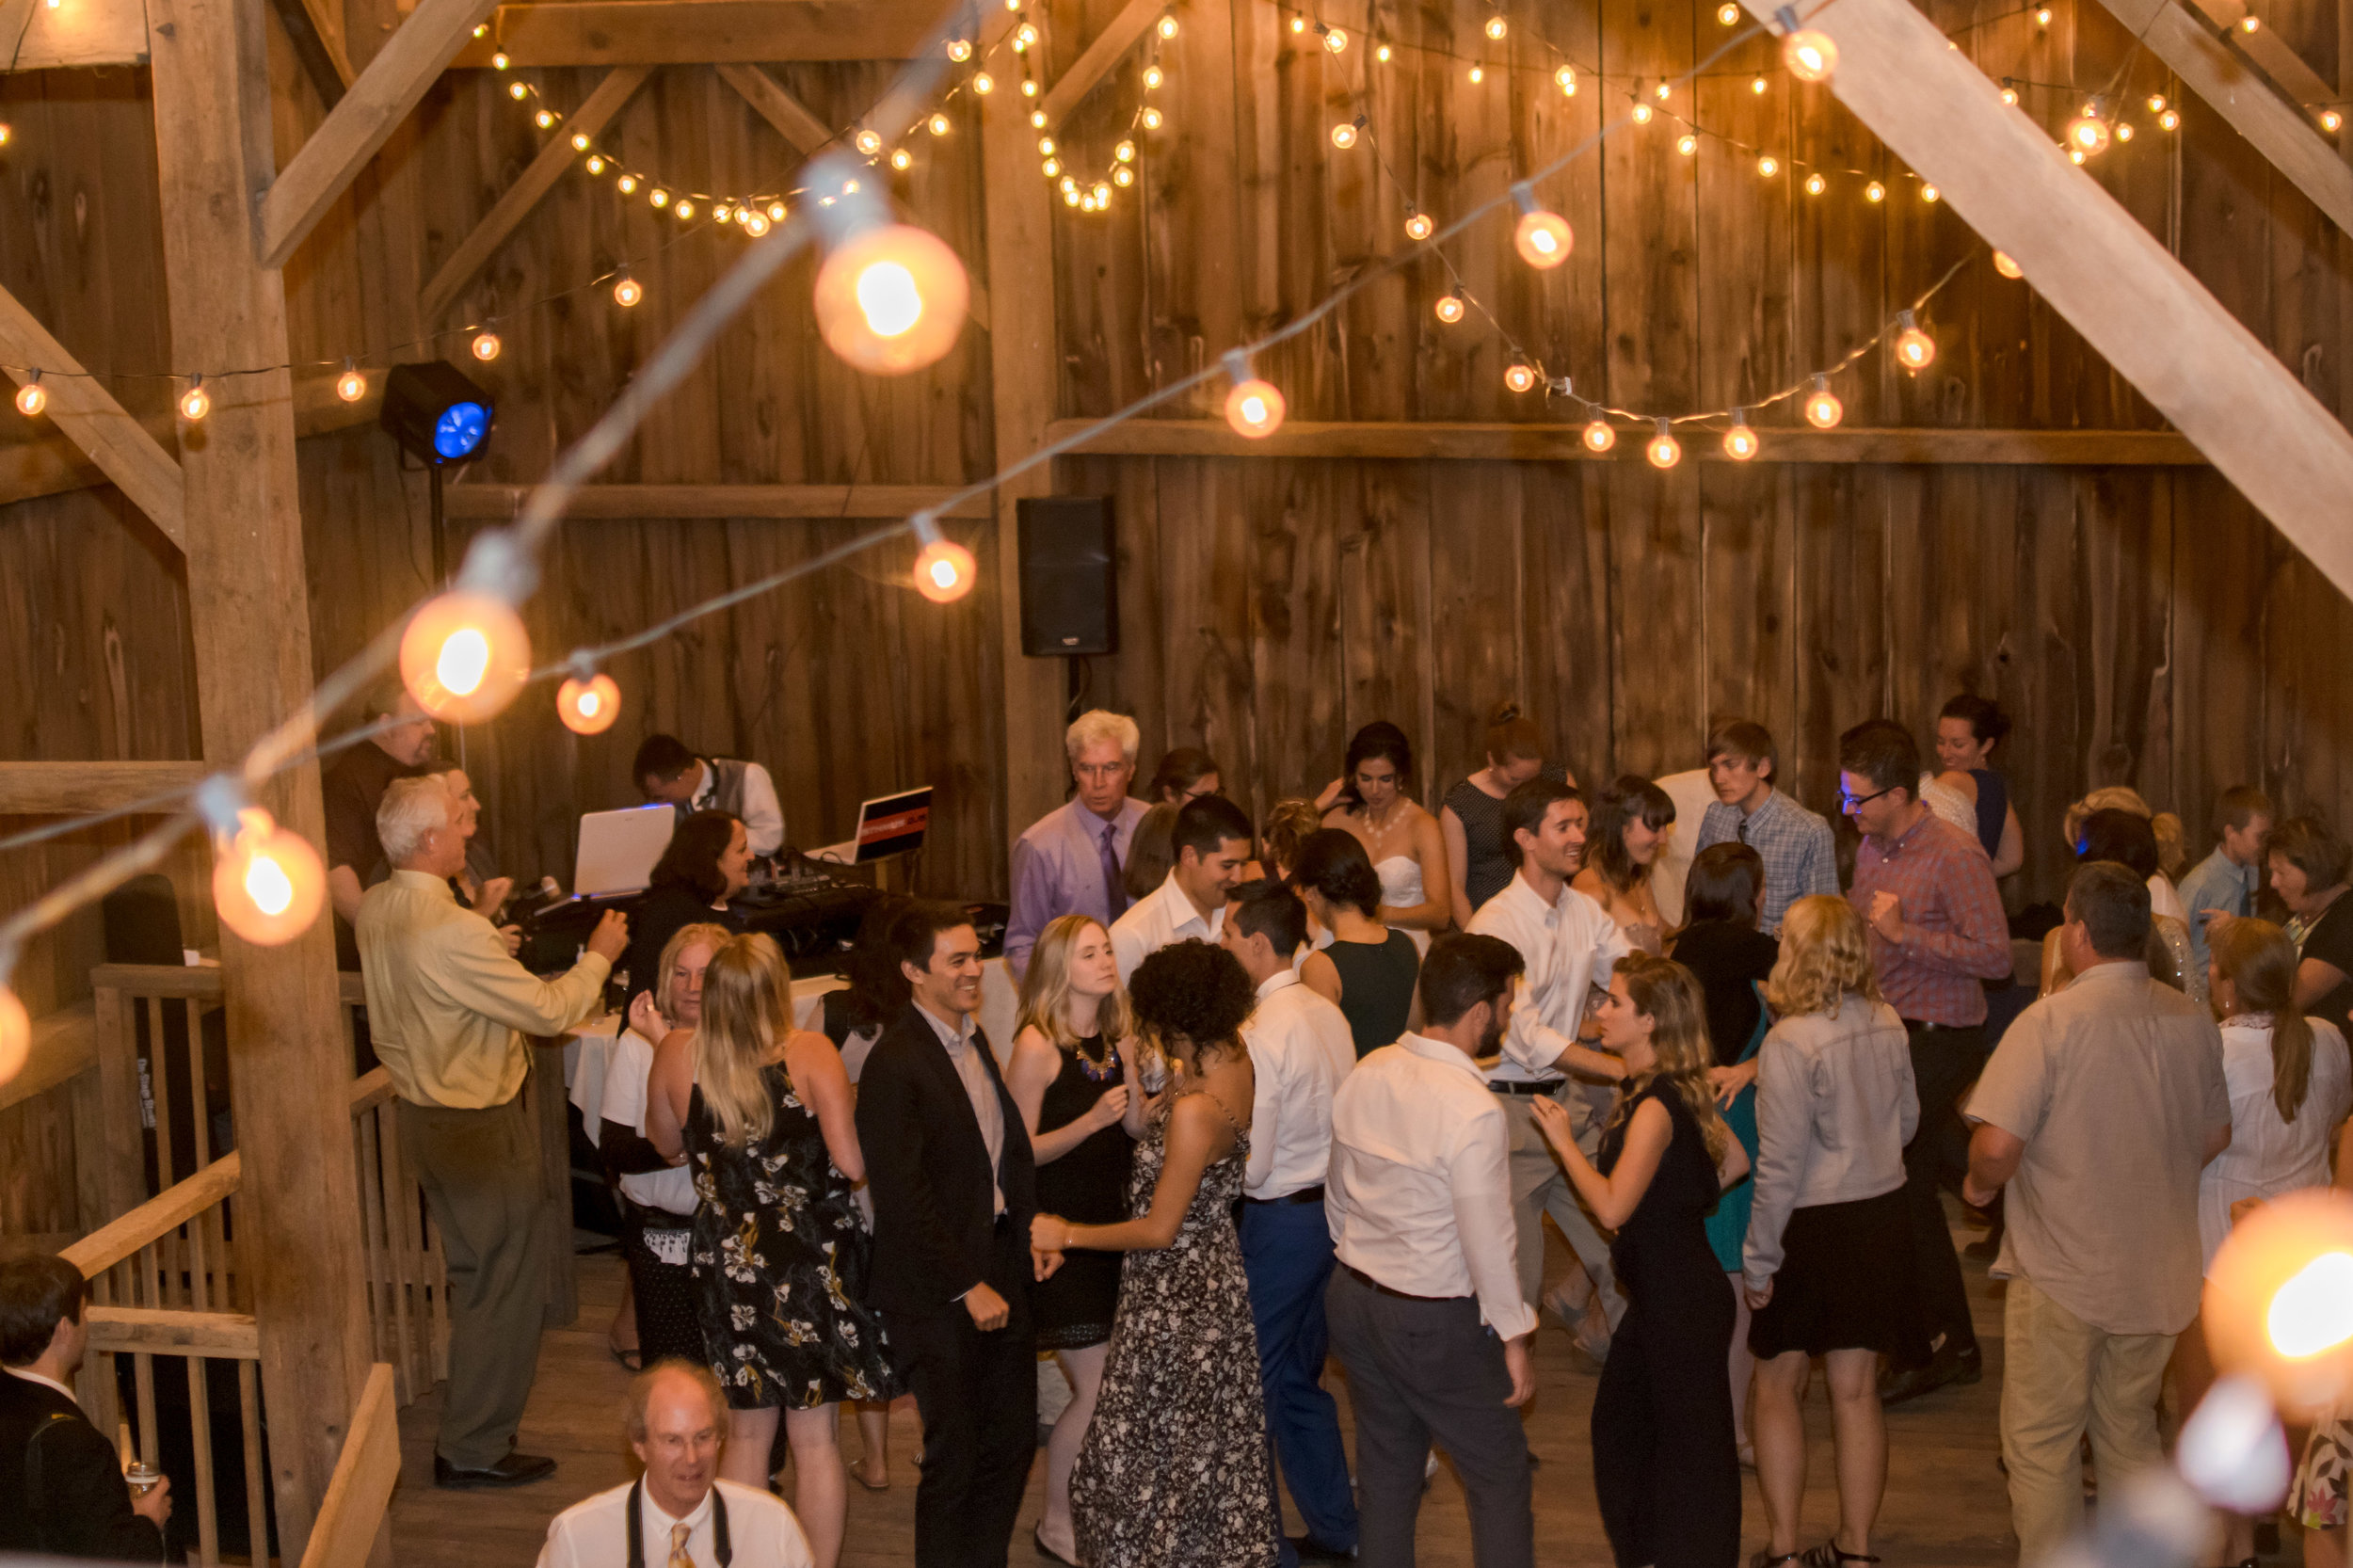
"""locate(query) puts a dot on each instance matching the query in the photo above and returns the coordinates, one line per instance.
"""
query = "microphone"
(551, 893)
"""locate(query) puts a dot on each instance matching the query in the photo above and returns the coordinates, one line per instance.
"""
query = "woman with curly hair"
(1629, 828)
(1174, 1468)
(1666, 1468)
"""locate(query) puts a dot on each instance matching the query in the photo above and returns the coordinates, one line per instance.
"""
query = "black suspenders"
(719, 1540)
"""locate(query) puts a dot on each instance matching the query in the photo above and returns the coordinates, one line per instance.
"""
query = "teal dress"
(1728, 1223)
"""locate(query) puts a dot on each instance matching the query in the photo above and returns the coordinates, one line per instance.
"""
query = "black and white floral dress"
(779, 1257)
(1174, 1468)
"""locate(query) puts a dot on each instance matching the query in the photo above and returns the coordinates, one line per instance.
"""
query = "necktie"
(678, 1546)
(1114, 891)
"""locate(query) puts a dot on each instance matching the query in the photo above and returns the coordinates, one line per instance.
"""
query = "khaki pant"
(480, 1172)
(2062, 1377)
(1541, 1187)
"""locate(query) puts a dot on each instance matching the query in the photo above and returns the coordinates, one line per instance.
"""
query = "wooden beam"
(515, 204)
(778, 107)
(317, 34)
(168, 1210)
(661, 32)
(2273, 54)
(63, 1049)
(1119, 36)
(351, 1517)
(2281, 132)
(86, 33)
(86, 414)
(1476, 442)
(379, 101)
(230, 1335)
(63, 788)
(487, 503)
(2100, 269)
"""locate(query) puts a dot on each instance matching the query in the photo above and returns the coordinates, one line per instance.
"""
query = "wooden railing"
(352, 1515)
(408, 1278)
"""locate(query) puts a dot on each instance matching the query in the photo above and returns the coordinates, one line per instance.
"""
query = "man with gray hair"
(1069, 861)
(680, 1514)
(451, 1010)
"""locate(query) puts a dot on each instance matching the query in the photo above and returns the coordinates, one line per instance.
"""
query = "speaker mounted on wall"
(1069, 576)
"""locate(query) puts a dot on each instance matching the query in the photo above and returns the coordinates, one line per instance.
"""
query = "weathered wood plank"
(487, 501)
(86, 412)
(659, 32)
(230, 1335)
(47, 789)
(1134, 20)
(779, 108)
(62, 1051)
(85, 34)
(351, 1517)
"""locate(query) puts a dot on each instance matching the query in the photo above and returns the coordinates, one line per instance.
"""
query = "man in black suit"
(61, 1488)
(955, 1188)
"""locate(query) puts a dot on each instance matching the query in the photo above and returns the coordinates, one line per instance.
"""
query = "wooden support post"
(88, 416)
(2099, 268)
(317, 33)
(298, 1213)
(1023, 376)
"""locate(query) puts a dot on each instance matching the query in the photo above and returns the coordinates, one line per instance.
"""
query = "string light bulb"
(1052, 166)
(1037, 120)
(1687, 144)
(1914, 349)
(2330, 121)
(268, 884)
(464, 656)
(684, 209)
(596, 162)
(351, 386)
(959, 50)
(902, 160)
(1417, 226)
(1664, 88)
(2279, 1299)
(1383, 53)
(579, 141)
(983, 82)
(2043, 17)
(869, 142)
(1519, 379)
(1124, 152)
(518, 90)
(588, 707)
(1931, 194)
(2123, 130)
(1253, 406)
(486, 346)
(16, 1035)
(1597, 435)
(756, 224)
(2251, 23)
(1449, 309)
(2168, 120)
(1809, 53)
(1496, 28)
(3, 133)
(1336, 39)
(627, 291)
(944, 569)
(1566, 79)
(1740, 443)
(2156, 102)
(2007, 267)
(1728, 13)
(2010, 96)
(626, 184)
(1477, 74)
(1823, 409)
(1642, 114)
(1344, 135)
(499, 60)
(1542, 238)
(659, 197)
(32, 397)
(1023, 36)
(1123, 176)
(776, 212)
(1815, 185)
(196, 402)
(1663, 450)
(1756, 86)
(1768, 166)
(1153, 77)
(1168, 27)
(1875, 192)
(892, 299)
(1151, 120)
(2087, 134)
(1029, 86)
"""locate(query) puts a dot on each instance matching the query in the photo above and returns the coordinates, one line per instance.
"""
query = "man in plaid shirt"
(1800, 856)
(1925, 889)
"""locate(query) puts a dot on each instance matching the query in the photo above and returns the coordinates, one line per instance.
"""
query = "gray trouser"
(1539, 1187)
(480, 1172)
(1420, 1371)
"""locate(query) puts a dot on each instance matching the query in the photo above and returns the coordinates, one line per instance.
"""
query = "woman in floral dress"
(779, 1253)
(1172, 1472)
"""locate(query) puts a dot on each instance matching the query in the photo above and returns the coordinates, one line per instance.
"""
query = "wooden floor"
(1945, 1504)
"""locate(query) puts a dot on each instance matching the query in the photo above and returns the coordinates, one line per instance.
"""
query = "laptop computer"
(619, 850)
(887, 825)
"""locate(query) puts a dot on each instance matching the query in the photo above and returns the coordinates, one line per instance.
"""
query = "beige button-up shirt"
(963, 1044)
(447, 1005)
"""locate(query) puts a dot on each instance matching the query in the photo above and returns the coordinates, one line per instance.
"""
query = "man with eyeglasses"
(1070, 860)
(1925, 889)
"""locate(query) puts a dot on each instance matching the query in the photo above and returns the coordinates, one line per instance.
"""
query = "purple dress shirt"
(1058, 869)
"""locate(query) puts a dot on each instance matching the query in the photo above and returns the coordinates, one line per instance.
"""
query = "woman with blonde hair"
(762, 1111)
(1827, 1268)
(1665, 1465)
(2172, 851)
(1074, 1076)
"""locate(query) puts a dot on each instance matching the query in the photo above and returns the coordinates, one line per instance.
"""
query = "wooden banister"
(127, 1330)
(352, 1511)
(166, 1211)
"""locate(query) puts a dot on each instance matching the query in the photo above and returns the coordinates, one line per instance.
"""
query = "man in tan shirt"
(450, 1010)
(2098, 1110)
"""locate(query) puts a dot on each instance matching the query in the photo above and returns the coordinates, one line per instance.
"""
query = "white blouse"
(2267, 1156)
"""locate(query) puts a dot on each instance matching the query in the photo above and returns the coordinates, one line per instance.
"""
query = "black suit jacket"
(927, 1167)
(61, 1487)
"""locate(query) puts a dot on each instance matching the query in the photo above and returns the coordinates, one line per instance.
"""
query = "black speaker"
(1069, 576)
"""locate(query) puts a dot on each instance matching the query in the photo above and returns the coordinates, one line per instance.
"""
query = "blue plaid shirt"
(1800, 856)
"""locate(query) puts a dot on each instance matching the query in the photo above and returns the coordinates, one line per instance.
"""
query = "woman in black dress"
(1665, 1467)
(1471, 819)
(1367, 970)
(708, 862)
(1073, 1077)
(763, 1113)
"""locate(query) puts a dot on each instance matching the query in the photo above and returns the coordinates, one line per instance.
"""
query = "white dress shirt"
(593, 1533)
(1571, 945)
(763, 817)
(1299, 1049)
(978, 1087)
(1419, 1189)
(1152, 922)
(31, 1376)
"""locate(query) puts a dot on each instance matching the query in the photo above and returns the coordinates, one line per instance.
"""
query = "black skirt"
(1846, 1283)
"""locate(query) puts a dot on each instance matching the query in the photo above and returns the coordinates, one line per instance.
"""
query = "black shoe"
(1946, 1366)
(515, 1469)
(1312, 1551)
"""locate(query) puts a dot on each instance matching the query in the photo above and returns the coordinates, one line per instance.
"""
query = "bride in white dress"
(1402, 840)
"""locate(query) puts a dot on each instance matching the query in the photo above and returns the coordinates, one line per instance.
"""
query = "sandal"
(632, 1359)
(1828, 1555)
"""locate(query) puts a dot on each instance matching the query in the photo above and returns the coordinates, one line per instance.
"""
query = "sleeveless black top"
(1993, 807)
(1486, 869)
(1376, 988)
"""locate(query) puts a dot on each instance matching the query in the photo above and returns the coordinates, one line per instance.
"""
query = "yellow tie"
(678, 1546)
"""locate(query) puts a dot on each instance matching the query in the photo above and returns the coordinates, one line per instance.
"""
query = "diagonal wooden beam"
(1134, 20)
(536, 181)
(86, 414)
(2273, 54)
(2230, 87)
(380, 98)
(317, 36)
(2099, 268)
(778, 107)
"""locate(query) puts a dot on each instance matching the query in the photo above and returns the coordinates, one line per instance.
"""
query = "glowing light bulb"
(2249, 23)
(776, 212)
(2003, 264)
(196, 402)
(2043, 17)
(722, 214)
(1124, 152)
(1052, 166)
(626, 184)
(660, 197)
(1815, 185)
(1024, 36)
(1597, 435)
(482, 29)
(892, 299)
(32, 397)
(1756, 86)
(1168, 27)
(351, 386)
(2168, 120)
(1687, 144)
(16, 1035)
(1663, 450)
(2123, 131)
(1335, 39)
(1343, 134)
(1102, 194)
(1153, 77)
(2010, 96)
(1642, 114)
(579, 141)
(959, 50)
(1519, 379)
(1728, 13)
(4, 134)
(1037, 120)
(1029, 86)
(2279, 1299)
(268, 884)
(2310, 1313)
(464, 656)
(984, 83)
(1151, 120)
(2089, 135)
(902, 159)
(1740, 443)
(545, 118)
(1566, 79)
(1123, 176)
(869, 142)
(596, 162)
(1664, 88)
(1875, 192)
(627, 291)
(588, 707)
(1810, 55)
(1070, 196)
(486, 346)
(684, 209)
(756, 224)
(1914, 349)
(2156, 102)
(1382, 52)
(499, 60)
(1254, 408)
(1823, 409)
(1299, 24)
(938, 125)
(2075, 155)
(518, 90)
(1496, 26)
(1417, 227)
(1477, 74)
(1449, 309)
(944, 571)
(1542, 239)
(2330, 120)
(1768, 166)
(1929, 193)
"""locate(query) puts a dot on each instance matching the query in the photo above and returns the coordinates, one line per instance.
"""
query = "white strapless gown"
(1401, 886)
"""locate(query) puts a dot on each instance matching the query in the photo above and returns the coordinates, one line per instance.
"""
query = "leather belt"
(1304, 1195)
(1364, 1279)
(1514, 1086)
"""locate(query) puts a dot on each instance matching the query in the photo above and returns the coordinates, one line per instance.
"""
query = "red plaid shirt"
(1955, 934)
